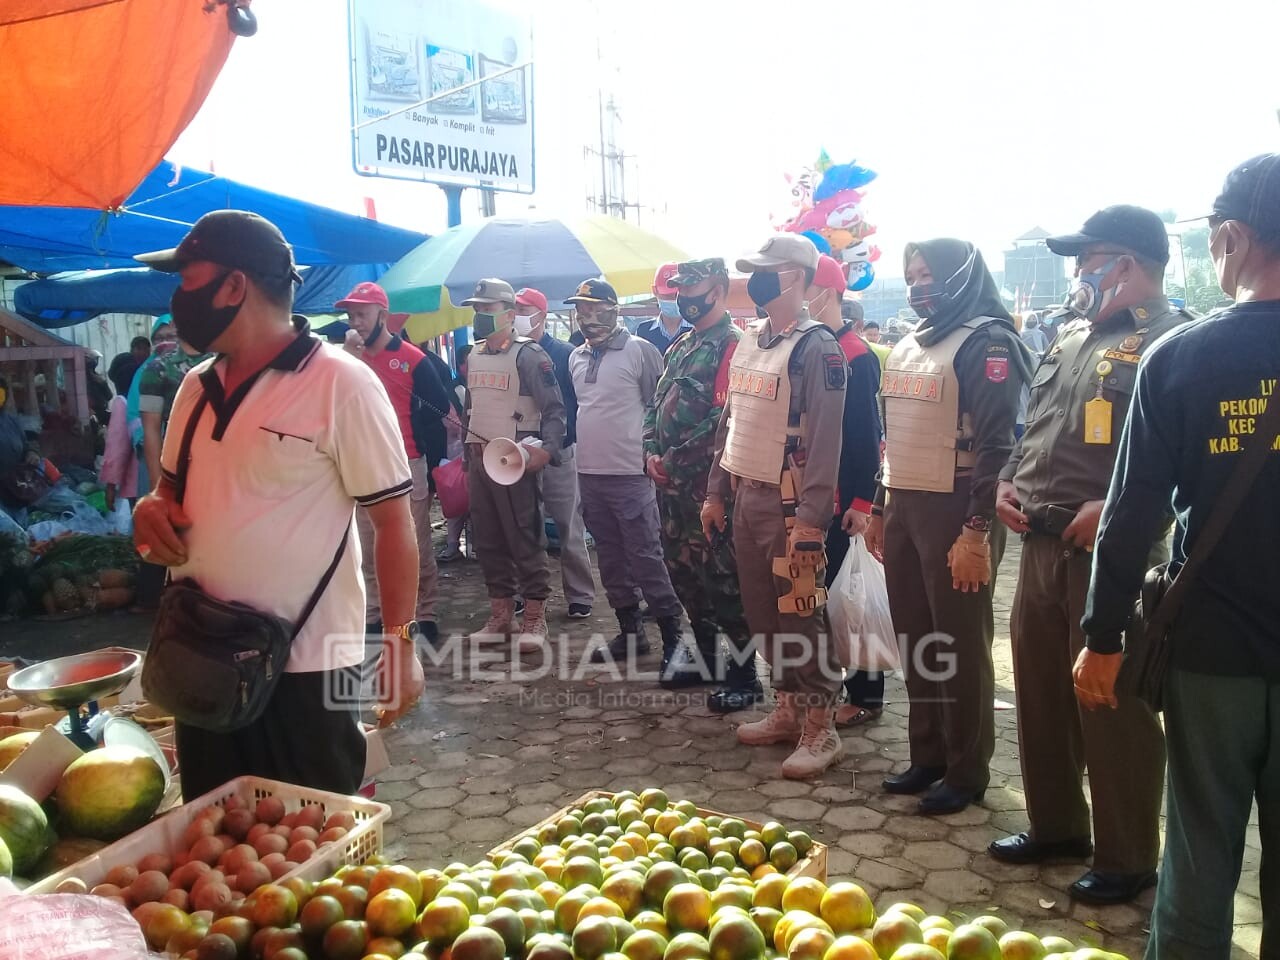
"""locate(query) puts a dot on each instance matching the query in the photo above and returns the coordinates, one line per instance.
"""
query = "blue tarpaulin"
(162, 209)
(70, 298)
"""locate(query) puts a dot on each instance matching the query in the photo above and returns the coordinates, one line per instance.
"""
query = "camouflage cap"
(692, 272)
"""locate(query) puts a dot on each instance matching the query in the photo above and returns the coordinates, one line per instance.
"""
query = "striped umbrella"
(552, 255)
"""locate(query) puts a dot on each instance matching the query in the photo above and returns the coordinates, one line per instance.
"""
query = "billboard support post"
(453, 196)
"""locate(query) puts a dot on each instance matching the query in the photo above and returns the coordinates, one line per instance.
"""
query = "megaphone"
(505, 461)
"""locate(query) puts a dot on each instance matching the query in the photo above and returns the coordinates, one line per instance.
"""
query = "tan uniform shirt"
(1080, 396)
(537, 380)
(817, 373)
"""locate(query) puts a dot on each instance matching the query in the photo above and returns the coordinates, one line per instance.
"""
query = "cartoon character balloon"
(827, 208)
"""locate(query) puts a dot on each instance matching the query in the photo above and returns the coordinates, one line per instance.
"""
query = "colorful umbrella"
(552, 255)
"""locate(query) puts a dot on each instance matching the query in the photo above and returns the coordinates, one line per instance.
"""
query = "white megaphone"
(505, 460)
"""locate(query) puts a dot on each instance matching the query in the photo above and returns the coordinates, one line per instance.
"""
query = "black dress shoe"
(913, 780)
(1106, 889)
(1021, 848)
(734, 697)
(944, 799)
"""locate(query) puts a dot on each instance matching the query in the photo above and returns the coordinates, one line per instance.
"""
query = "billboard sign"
(442, 91)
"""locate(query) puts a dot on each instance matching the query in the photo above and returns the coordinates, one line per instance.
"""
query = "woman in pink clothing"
(119, 470)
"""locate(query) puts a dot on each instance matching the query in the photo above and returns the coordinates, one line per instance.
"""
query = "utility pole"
(610, 197)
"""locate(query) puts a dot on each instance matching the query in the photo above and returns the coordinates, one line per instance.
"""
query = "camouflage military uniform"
(681, 429)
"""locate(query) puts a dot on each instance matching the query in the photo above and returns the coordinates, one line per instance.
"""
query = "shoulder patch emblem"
(835, 367)
(548, 372)
(997, 369)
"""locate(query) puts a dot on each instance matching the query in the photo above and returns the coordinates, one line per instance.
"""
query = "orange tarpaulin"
(95, 92)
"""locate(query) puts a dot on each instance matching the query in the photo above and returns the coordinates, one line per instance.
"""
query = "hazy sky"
(983, 118)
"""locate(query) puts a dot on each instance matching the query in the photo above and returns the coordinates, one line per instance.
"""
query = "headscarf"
(970, 289)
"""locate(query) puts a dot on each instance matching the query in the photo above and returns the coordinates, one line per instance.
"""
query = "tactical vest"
(926, 438)
(755, 447)
(498, 408)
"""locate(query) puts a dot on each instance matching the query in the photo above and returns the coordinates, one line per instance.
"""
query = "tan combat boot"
(819, 746)
(781, 726)
(533, 629)
(501, 610)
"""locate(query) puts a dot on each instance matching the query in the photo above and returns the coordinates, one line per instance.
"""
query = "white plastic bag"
(858, 606)
(68, 927)
(120, 520)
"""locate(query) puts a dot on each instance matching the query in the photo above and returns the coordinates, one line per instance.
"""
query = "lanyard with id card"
(1097, 412)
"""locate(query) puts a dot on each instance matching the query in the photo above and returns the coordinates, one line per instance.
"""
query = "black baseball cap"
(594, 291)
(231, 238)
(1129, 227)
(1251, 194)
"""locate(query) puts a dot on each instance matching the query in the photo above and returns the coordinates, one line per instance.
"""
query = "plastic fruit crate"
(814, 864)
(164, 834)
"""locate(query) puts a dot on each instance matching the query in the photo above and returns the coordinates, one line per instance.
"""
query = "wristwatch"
(981, 524)
(408, 631)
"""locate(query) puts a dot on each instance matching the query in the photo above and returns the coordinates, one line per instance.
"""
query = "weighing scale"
(68, 683)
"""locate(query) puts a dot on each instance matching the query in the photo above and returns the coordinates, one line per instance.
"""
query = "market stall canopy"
(552, 255)
(96, 92)
(162, 209)
(66, 299)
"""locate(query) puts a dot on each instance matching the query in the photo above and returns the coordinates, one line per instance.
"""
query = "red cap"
(829, 275)
(366, 292)
(662, 280)
(529, 297)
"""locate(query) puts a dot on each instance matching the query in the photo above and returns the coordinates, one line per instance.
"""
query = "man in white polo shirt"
(293, 435)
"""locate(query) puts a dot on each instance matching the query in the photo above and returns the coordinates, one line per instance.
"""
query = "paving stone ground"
(487, 755)
(485, 758)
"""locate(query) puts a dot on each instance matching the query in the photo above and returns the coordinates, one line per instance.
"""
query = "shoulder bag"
(211, 663)
(1147, 645)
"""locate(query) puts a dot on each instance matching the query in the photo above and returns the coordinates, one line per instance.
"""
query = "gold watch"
(408, 631)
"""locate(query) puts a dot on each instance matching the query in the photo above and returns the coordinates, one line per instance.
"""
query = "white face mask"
(524, 325)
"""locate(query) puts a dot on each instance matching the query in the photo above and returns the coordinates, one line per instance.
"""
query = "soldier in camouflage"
(679, 445)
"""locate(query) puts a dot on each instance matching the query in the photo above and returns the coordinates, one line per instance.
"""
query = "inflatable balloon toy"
(842, 176)
(819, 241)
(839, 211)
(861, 257)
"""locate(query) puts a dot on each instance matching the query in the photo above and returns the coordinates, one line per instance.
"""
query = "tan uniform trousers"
(1123, 749)
(798, 649)
(428, 574)
(948, 634)
(507, 527)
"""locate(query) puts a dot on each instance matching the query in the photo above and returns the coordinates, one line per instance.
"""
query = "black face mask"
(696, 309)
(197, 320)
(764, 288)
(374, 334)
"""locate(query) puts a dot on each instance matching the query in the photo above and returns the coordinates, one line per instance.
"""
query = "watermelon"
(109, 792)
(23, 828)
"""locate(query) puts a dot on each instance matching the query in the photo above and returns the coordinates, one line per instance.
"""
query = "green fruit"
(687, 946)
(6, 860)
(736, 938)
(479, 943)
(109, 792)
(973, 942)
(644, 945)
(594, 937)
(23, 828)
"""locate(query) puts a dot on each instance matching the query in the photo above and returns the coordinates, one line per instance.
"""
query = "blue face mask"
(669, 309)
(1086, 298)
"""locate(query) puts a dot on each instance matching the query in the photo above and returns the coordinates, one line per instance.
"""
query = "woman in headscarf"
(950, 392)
